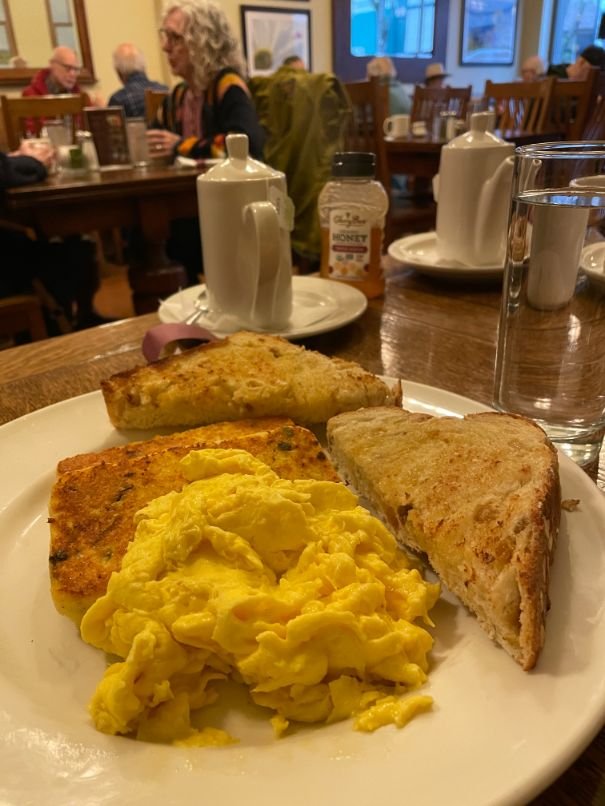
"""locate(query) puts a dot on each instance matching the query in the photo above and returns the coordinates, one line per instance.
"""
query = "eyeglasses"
(168, 37)
(71, 68)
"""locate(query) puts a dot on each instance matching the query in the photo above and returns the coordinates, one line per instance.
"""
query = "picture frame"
(488, 32)
(272, 34)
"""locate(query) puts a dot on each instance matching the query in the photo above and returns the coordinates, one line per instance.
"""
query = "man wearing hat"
(435, 75)
(591, 56)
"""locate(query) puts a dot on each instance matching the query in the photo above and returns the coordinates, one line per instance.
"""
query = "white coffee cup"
(396, 126)
(245, 221)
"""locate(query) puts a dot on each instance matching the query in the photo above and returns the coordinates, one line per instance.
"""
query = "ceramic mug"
(396, 126)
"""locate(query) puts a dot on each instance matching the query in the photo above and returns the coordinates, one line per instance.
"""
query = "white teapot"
(473, 192)
(245, 221)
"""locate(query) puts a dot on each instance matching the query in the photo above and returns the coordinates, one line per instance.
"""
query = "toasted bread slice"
(92, 505)
(245, 375)
(479, 496)
(218, 432)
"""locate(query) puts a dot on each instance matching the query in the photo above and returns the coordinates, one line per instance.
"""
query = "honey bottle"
(352, 209)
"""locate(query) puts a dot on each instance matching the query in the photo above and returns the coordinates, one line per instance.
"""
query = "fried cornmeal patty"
(95, 496)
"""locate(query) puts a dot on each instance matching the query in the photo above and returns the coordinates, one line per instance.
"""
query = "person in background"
(62, 274)
(61, 75)
(435, 75)
(129, 64)
(532, 69)
(213, 99)
(294, 62)
(591, 56)
(382, 67)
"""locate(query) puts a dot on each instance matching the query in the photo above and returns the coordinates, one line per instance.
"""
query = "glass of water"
(136, 131)
(550, 362)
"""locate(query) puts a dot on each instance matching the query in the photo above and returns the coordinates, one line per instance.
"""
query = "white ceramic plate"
(592, 261)
(318, 306)
(420, 253)
(496, 735)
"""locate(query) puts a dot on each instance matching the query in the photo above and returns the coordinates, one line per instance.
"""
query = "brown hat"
(435, 70)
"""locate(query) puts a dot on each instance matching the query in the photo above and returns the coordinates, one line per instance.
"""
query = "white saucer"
(592, 261)
(318, 306)
(420, 253)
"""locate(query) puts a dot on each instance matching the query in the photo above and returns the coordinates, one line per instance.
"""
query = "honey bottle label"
(349, 244)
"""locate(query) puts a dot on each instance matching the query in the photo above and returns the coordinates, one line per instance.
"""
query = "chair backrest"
(451, 99)
(26, 116)
(458, 99)
(369, 108)
(22, 314)
(424, 102)
(153, 100)
(594, 127)
(522, 105)
(571, 104)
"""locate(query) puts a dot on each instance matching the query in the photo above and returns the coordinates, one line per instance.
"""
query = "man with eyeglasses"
(60, 77)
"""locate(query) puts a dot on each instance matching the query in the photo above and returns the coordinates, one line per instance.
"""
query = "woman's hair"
(380, 66)
(210, 41)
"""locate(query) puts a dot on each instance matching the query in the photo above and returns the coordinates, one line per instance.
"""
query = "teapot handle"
(261, 223)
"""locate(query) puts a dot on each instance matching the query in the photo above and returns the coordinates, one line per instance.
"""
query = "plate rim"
(439, 270)
(345, 295)
(553, 766)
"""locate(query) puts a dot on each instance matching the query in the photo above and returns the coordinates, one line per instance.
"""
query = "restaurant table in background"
(419, 156)
(148, 199)
(425, 330)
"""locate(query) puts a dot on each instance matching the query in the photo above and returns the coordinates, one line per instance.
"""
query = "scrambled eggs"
(287, 586)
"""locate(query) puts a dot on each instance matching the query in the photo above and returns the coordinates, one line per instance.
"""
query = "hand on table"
(161, 142)
(43, 152)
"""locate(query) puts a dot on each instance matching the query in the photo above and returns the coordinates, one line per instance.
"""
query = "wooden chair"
(522, 105)
(570, 105)
(369, 108)
(22, 314)
(594, 127)
(427, 99)
(24, 116)
(153, 101)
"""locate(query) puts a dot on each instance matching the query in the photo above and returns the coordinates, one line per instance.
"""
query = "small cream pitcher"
(473, 193)
(245, 221)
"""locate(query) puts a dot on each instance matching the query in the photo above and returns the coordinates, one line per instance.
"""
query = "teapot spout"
(494, 206)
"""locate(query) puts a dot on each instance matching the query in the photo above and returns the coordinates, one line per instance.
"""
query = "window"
(396, 28)
(411, 32)
(576, 25)
(7, 39)
(61, 21)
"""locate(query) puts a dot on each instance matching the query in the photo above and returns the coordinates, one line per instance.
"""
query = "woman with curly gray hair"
(214, 98)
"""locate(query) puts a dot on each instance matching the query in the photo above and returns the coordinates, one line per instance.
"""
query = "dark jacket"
(20, 170)
(227, 108)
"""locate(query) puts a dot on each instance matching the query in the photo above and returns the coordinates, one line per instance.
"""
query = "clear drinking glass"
(136, 131)
(550, 362)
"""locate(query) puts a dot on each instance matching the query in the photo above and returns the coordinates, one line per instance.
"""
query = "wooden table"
(146, 198)
(425, 330)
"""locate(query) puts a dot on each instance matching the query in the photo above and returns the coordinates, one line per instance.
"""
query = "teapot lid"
(238, 165)
(478, 136)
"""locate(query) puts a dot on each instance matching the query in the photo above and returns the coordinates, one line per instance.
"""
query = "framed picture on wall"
(271, 35)
(488, 31)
